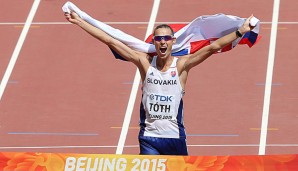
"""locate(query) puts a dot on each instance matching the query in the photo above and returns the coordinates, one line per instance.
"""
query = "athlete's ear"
(174, 40)
(152, 41)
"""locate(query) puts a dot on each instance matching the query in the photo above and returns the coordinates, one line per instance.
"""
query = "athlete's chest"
(167, 78)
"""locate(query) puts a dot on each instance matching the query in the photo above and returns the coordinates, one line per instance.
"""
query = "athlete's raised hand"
(246, 27)
(73, 17)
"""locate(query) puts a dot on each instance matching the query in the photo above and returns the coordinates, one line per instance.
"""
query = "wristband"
(238, 33)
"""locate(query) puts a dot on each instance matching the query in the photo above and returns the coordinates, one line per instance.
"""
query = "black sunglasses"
(165, 38)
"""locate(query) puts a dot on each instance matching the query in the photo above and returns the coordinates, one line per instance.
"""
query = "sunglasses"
(165, 38)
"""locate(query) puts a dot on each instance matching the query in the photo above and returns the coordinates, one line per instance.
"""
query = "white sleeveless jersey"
(161, 112)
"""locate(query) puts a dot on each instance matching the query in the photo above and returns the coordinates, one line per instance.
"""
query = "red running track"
(67, 93)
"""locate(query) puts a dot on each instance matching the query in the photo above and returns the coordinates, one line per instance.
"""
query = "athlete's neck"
(164, 63)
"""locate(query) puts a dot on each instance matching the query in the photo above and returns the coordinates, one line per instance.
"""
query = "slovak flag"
(189, 37)
(205, 29)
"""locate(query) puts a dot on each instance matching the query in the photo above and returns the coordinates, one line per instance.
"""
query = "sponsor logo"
(160, 98)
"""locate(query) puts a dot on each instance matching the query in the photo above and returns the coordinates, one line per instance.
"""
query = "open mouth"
(163, 50)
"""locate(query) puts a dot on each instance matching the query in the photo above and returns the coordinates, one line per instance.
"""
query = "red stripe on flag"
(195, 46)
(227, 48)
(246, 41)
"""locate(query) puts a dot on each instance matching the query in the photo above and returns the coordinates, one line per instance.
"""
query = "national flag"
(190, 37)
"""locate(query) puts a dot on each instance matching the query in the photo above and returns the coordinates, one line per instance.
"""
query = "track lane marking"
(32, 26)
(119, 127)
(268, 129)
(18, 47)
(124, 23)
(135, 85)
(269, 75)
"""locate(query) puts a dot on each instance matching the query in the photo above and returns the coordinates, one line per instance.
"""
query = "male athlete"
(164, 78)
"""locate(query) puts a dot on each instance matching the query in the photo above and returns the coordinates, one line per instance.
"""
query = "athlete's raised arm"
(205, 52)
(122, 49)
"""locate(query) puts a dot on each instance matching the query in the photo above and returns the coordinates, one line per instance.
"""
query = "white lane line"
(18, 47)
(136, 84)
(125, 23)
(137, 146)
(268, 85)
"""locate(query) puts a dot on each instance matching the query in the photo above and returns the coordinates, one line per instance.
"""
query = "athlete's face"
(163, 41)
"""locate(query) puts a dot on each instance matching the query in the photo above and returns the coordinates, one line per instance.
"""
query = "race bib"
(161, 106)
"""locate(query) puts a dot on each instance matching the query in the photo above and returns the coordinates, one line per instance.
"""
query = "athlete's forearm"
(95, 32)
(224, 41)
(113, 43)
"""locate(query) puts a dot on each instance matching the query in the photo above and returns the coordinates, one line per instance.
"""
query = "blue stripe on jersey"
(180, 118)
(142, 119)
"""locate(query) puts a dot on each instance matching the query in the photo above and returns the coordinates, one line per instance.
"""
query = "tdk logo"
(160, 98)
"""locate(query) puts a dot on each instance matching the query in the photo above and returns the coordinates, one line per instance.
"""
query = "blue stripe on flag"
(251, 36)
(181, 52)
